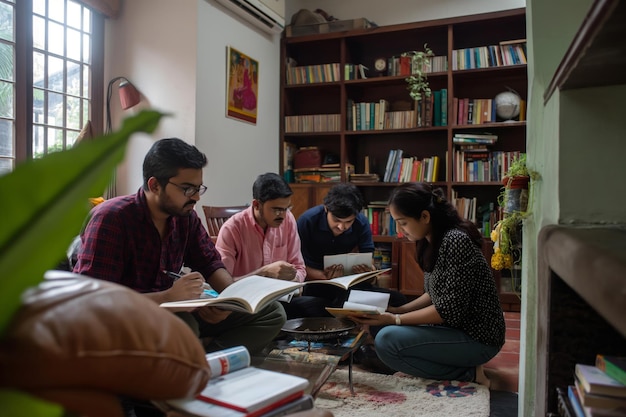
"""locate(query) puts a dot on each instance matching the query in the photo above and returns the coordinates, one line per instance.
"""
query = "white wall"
(153, 44)
(390, 12)
(174, 52)
(237, 151)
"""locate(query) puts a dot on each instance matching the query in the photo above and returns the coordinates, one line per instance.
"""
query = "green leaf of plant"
(44, 203)
(19, 404)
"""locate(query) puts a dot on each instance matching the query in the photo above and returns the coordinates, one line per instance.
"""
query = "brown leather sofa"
(83, 343)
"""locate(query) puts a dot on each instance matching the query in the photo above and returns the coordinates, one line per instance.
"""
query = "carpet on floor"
(401, 396)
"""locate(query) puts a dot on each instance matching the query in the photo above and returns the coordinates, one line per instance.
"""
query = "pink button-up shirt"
(245, 247)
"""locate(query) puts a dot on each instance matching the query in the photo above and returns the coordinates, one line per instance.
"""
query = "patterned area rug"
(401, 396)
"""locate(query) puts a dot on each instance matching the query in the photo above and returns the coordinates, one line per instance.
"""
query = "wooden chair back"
(217, 215)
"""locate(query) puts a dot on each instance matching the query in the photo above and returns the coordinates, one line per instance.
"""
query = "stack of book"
(600, 390)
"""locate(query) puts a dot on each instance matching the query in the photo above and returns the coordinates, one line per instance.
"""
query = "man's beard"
(168, 208)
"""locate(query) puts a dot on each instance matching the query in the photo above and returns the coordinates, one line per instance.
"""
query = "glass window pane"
(56, 10)
(39, 7)
(55, 140)
(73, 78)
(71, 138)
(56, 105)
(39, 61)
(6, 138)
(39, 33)
(6, 166)
(85, 111)
(56, 38)
(38, 100)
(86, 76)
(7, 62)
(55, 74)
(86, 20)
(6, 22)
(38, 141)
(73, 113)
(73, 44)
(73, 14)
(86, 48)
(6, 99)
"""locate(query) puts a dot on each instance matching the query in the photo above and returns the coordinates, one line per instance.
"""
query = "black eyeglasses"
(279, 210)
(191, 190)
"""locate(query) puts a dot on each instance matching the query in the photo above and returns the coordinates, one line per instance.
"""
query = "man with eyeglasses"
(139, 240)
(263, 240)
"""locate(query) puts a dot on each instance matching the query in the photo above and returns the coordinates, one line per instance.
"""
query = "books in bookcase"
(613, 366)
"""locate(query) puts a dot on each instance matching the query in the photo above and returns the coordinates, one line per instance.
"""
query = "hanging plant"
(420, 65)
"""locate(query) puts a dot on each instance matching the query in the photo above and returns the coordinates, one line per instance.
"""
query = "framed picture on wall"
(242, 86)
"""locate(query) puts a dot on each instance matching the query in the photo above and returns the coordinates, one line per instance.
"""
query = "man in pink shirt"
(263, 240)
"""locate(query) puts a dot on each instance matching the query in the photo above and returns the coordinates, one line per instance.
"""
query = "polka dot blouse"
(463, 290)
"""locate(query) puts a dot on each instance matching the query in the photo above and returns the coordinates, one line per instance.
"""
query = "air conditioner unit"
(267, 15)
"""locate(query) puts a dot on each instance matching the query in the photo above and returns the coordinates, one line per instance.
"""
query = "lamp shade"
(129, 96)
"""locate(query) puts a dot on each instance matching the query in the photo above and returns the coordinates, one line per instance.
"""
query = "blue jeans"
(432, 352)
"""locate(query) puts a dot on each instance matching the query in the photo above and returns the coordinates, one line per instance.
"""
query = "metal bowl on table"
(314, 329)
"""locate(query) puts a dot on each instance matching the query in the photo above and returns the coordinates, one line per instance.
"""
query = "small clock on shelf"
(380, 65)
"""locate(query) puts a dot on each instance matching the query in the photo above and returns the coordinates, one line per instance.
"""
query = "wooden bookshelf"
(364, 46)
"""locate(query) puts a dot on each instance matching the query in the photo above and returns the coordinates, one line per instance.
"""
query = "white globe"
(507, 105)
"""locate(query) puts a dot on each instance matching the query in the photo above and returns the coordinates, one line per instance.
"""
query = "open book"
(240, 390)
(253, 293)
(348, 260)
(362, 303)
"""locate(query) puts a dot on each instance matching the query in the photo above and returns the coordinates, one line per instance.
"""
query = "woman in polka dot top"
(457, 325)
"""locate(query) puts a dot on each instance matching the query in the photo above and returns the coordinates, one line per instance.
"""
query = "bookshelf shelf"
(422, 139)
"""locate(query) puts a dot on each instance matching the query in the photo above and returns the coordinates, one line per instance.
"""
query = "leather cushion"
(74, 332)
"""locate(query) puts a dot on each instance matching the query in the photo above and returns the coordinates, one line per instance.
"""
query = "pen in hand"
(176, 276)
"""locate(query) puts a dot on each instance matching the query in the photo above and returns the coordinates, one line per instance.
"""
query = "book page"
(348, 260)
(249, 294)
(252, 389)
(347, 281)
(380, 300)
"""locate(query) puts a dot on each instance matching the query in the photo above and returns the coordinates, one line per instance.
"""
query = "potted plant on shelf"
(506, 235)
(420, 64)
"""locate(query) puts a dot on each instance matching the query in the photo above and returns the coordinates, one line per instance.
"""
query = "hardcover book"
(613, 366)
(594, 381)
(252, 293)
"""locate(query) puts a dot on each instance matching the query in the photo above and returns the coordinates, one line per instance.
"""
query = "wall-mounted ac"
(268, 15)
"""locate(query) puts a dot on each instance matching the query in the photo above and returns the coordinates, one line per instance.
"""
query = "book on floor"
(599, 401)
(235, 386)
(594, 381)
(199, 408)
(253, 293)
(362, 303)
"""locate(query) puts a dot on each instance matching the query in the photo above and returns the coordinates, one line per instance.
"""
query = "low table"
(315, 361)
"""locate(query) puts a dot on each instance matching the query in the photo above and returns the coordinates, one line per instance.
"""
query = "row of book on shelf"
(377, 115)
(402, 167)
(475, 162)
(598, 390)
(430, 111)
(505, 53)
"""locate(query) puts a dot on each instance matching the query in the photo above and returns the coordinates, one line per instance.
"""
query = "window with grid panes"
(47, 51)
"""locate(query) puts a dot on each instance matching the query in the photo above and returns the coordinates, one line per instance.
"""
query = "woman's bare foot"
(481, 378)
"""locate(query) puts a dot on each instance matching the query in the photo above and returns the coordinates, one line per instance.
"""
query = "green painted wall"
(576, 142)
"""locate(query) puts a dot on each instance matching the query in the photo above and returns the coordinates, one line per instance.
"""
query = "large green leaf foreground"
(44, 203)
